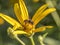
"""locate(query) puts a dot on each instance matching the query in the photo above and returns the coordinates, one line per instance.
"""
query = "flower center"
(28, 26)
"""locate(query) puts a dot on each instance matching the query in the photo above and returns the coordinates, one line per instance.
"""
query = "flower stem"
(31, 38)
(41, 38)
(18, 39)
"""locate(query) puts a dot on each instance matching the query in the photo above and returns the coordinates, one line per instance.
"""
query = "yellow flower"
(26, 25)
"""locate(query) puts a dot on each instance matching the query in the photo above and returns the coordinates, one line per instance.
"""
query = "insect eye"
(28, 21)
(25, 20)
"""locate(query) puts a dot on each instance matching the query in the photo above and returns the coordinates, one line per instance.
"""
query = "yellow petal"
(40, 29)
(23, 10)
(18, 13)
(19, 32)
(10, 20)
(15, 32)
(38, 12)
(49, 26)
(43, 15)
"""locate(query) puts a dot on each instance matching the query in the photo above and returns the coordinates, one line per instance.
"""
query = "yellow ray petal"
(19, 32)
(40, 29)
(12, 31)
(43, 15)
(10, 20)
(23, 10)
(18, 13)
(38, 12)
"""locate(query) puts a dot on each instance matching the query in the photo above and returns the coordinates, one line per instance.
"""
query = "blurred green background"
(53, 37)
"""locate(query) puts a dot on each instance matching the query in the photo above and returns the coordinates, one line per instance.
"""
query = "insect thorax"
(28, 25)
